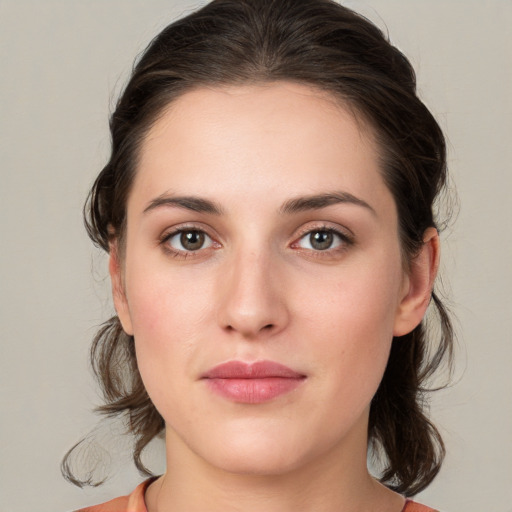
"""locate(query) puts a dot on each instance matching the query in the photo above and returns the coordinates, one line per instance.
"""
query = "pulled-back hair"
(329, 47)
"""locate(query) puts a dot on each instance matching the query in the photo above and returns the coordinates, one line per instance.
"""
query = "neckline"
(138, 497)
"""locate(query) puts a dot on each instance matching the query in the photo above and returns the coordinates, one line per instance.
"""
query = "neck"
(328, 483)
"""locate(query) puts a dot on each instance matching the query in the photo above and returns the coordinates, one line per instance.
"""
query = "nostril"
(267, 327)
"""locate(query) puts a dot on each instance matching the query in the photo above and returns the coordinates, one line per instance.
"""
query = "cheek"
(166, 323)
(353, 319)
(359, 340)
(359, 299)
(165, 304)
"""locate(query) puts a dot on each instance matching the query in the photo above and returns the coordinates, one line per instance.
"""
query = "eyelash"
(178, 253)
(344, 241)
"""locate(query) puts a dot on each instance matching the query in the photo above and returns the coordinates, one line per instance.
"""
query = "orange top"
(134, 502)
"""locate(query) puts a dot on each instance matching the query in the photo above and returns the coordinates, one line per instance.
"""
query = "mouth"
(252, 383)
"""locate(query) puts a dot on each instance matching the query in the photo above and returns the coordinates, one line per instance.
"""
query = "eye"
(321, 240)
(189, 240)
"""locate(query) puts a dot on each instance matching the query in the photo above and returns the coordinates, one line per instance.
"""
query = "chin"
(260, 462)
(260, 452)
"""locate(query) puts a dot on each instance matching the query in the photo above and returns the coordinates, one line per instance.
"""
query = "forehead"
(258, 139)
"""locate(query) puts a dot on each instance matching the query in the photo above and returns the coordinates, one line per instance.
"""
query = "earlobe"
(418, 285)
(118, 291)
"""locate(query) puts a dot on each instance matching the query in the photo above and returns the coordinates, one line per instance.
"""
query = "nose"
(252, 299)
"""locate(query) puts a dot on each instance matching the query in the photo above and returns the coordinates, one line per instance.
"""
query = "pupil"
(192, 240)
(321, 240)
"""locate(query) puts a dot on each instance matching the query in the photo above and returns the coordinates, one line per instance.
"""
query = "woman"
(267, 209)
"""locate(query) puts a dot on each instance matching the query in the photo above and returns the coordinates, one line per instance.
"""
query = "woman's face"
(259, 230)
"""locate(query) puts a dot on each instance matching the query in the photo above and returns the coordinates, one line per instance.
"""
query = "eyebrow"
(299, 204)
(319, 201)
(195, 204)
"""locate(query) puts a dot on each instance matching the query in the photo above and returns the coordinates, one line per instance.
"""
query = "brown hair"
(320, 43)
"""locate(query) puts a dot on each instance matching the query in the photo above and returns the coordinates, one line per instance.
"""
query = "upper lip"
(255, 370)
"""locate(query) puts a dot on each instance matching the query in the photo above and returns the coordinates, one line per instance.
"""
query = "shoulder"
(133, 502)
(412, 506)
(116, 505)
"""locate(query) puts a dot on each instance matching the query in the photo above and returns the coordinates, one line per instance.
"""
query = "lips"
(252, 383)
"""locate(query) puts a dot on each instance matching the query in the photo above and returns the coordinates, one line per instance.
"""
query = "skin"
(259, 290)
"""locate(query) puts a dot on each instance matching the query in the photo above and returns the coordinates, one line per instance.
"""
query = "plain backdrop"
(62, 63)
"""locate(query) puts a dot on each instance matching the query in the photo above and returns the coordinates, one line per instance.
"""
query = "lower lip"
(253, 391)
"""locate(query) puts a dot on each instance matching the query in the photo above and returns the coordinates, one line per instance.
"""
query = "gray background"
(61, 64)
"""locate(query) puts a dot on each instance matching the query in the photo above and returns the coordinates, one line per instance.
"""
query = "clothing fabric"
(134, 502)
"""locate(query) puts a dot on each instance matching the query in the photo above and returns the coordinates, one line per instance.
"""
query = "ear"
(118, 291)
(418, 285)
